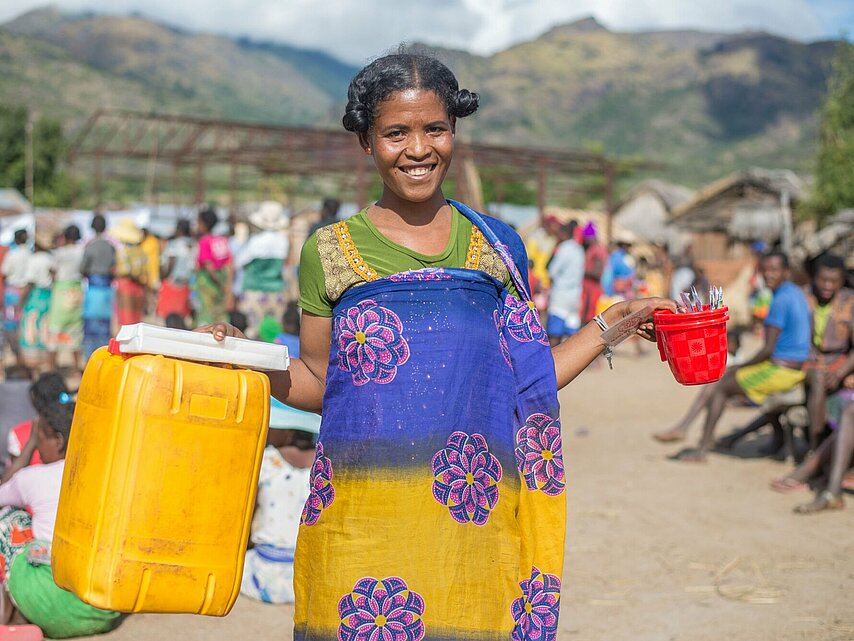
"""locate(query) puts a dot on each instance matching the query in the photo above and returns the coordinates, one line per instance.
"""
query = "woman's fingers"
(220, 331)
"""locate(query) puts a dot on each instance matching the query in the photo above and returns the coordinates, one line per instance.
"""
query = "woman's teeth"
(417, 171)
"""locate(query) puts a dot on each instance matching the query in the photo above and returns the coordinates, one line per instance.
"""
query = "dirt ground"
(657, 550)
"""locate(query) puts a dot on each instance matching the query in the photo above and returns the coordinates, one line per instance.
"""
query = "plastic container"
(695, 346)
(160, 480)
(143, 338)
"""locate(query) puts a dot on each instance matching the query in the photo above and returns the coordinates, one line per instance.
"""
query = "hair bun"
(465, 103)
(356, 118)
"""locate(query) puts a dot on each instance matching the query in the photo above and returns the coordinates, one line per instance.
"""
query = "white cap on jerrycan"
(143, 338)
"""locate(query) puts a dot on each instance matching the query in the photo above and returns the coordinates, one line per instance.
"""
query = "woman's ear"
(365, 142)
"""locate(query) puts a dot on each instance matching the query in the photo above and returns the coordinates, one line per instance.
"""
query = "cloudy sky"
(355, 30)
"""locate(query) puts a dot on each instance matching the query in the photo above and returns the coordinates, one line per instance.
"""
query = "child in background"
(283, 489)
(30, 594)
(289, 337)
(47, 388)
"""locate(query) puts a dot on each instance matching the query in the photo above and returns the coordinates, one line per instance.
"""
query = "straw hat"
(44, 236)
(270, 216)
(127, 232)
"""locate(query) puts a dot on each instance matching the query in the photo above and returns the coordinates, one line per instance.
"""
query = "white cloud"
(360, 29)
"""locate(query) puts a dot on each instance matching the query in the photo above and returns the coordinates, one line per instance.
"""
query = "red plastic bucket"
(666, 317)
(696, 348)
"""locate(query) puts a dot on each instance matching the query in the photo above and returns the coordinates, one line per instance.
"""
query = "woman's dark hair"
(399, 72)
(52, 401)
(209, 218)
(21, 237)
(72, 233)
(99, 223)
(182, 227)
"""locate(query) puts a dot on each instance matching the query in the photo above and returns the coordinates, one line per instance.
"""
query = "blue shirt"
(790, 313)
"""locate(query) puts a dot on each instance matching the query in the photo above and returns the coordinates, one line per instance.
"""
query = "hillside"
(702, 103)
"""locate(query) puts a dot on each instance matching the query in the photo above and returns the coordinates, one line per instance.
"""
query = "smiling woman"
(437, 507)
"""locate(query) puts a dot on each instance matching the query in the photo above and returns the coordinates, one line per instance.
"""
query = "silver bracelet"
(608, 353)
(601, 322)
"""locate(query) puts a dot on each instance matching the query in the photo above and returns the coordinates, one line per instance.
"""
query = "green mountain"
(702, 103)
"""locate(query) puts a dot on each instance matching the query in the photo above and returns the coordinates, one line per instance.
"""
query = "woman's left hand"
(618, 311)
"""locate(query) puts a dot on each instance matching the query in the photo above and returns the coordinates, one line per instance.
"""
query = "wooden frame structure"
(149, 145)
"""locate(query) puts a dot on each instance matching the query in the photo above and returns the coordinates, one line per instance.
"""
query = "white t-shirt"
(36, 487)
(15, 266)
(67, 261)
(566, 271)
(282, 492)
(39, 265)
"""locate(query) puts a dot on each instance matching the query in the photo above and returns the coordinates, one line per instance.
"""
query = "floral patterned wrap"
(438, 503)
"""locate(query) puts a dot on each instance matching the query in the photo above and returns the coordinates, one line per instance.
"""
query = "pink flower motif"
(539, 454)
(322, 492)
(381, 610)
(522, 320)
(498, 319)
(536, 611)
(465, 478)
(370, 343)
(428, 273)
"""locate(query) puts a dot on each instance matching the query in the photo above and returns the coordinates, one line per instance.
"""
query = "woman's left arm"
(579, 350)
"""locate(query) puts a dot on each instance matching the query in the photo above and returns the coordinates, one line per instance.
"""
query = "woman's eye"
(395, 134)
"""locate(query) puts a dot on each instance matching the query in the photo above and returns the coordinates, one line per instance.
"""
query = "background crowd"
(64, 297)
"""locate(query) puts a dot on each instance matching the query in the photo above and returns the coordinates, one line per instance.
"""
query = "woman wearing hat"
(131, 273)
(262, 260)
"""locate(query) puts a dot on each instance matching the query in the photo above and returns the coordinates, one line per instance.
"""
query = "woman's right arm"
(303, 384)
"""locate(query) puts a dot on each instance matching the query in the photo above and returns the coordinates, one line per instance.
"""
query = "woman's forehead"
(412, 103)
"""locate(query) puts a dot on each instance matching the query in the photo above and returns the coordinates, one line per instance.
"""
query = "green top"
(264, 275)
(820, 317)
(382, 255)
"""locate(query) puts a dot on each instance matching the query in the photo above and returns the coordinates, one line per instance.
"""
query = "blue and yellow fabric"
(437, 507)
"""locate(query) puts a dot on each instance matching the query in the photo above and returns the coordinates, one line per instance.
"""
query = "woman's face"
(412, 144)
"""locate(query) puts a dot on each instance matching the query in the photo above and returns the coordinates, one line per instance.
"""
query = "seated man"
(832, 306)
(776, 368)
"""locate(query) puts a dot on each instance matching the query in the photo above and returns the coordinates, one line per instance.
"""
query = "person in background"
(35, 298)
(289, 337)
(263, 262)
(43, 392)
(283, 489)
(14, 269)
(328, 214)
(98, 267)
(832, 357)
(622, 266)
(566, 272)
(176, 270)
(215, 272)
(777, 367)
(131, 273)
(595, 261)
(65, 321)
(684, 274)
(760, 295)
(30, 594)
(150, 246)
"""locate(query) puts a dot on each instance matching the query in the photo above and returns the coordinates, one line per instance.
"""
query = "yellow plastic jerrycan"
(160, 479)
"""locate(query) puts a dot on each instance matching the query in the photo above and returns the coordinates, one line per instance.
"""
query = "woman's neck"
(390, 209)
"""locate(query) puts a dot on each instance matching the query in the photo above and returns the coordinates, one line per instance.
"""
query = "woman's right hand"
(220, 331)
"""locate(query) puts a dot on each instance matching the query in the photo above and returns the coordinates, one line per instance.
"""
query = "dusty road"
(657, 550)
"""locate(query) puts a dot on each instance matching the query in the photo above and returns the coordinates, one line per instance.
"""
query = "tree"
(51, 186)
(834, 185)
